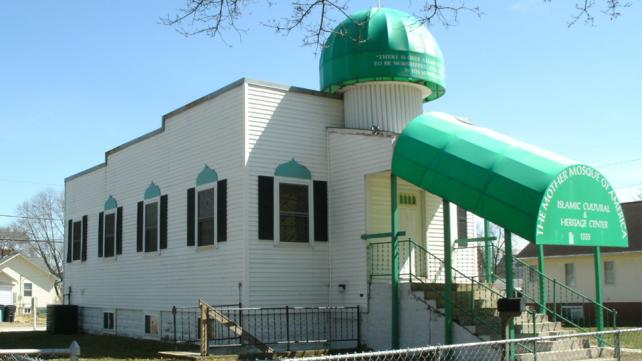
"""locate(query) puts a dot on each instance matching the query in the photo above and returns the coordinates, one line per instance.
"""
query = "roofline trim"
(193, 104)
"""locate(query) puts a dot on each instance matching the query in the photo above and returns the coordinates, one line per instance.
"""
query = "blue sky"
(78, 78)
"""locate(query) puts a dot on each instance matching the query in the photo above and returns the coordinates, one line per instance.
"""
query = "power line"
(31, 240)
(25, 217)
(619, 163)
(29, 182)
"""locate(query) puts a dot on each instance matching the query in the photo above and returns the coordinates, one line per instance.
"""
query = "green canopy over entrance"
(544, 198)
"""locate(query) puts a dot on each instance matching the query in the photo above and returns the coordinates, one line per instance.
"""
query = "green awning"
(540, 196)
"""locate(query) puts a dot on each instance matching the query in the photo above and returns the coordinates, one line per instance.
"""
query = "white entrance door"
(410, 220)
(6, 297)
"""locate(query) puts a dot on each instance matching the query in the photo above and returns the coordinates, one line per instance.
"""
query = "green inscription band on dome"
(382, 45)
(580, 208)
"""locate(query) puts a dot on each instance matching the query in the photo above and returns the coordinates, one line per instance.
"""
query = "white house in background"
(621, 271)
(23, 279)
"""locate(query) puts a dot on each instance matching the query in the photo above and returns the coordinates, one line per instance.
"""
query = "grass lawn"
(91, 346)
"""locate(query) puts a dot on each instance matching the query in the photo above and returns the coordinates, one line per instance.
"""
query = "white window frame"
(567, 311)
(113, 323)
(158, 225)
(24, 288)
(614, 282)
(277, 211)
(574, 274)
(198, 189)
(73, 221)
(111, 211)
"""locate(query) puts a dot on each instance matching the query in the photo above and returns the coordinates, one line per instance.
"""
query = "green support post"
(394, 222)
(542, 283)
(448, 275)
(510, 288)
(598, 289)
(489, 254)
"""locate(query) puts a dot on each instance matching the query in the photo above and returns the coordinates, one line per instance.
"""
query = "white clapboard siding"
(282, 125)
(208, 133)
(353, 155)
(385, 104)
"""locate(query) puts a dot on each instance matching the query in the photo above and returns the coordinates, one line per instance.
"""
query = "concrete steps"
(485, 324)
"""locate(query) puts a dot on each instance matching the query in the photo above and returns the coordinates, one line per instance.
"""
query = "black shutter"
(139, 227)
(266, 207)
(101, 215)
(163, 222)
(119, 230)
(320, 189)
(70, 231)
(191, 201)
(83, 252)
(221, 211)
(462, 223)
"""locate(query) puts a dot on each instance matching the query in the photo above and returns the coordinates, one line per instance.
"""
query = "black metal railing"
(286, 325)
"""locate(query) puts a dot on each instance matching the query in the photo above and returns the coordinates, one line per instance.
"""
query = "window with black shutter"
(221, 211)
(84, 238)
(207, 214)
(462, 223)
(163, 222)
(119, 230)
(191, 216)
(110, 234)
(101, 217)
(266, 207)
(320, 189)
(300, 213)
(76, 240)
(294, 213)
(205, 217)
(70, 232)
(151, 227)
(139, 226)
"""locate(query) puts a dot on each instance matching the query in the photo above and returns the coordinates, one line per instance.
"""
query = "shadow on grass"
(91, 346)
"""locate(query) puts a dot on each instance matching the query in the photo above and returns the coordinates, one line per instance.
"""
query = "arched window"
(151, 221)
(110, 229)
(207, 209)
(292, 207)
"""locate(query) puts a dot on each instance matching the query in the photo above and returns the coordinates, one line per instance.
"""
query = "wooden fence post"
(203, 327)
(34, 312)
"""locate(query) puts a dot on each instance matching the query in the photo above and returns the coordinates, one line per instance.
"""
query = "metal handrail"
(553, 312)
(456, 270)
(565, 287)
(477, 320)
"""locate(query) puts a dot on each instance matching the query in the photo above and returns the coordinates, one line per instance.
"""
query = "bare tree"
(317, 18)
(10, 240)
(42, 222)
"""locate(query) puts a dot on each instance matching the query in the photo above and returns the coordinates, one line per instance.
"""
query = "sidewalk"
(20, 327)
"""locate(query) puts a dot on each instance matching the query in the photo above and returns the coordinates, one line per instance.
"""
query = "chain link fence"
(627, 346)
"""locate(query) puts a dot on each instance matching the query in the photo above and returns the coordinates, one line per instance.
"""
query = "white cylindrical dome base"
(389, 106)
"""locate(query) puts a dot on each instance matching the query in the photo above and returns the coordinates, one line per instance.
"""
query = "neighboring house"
(621, 269)
(23, 279)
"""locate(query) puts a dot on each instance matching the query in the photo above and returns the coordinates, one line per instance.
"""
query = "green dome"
(382, 45)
